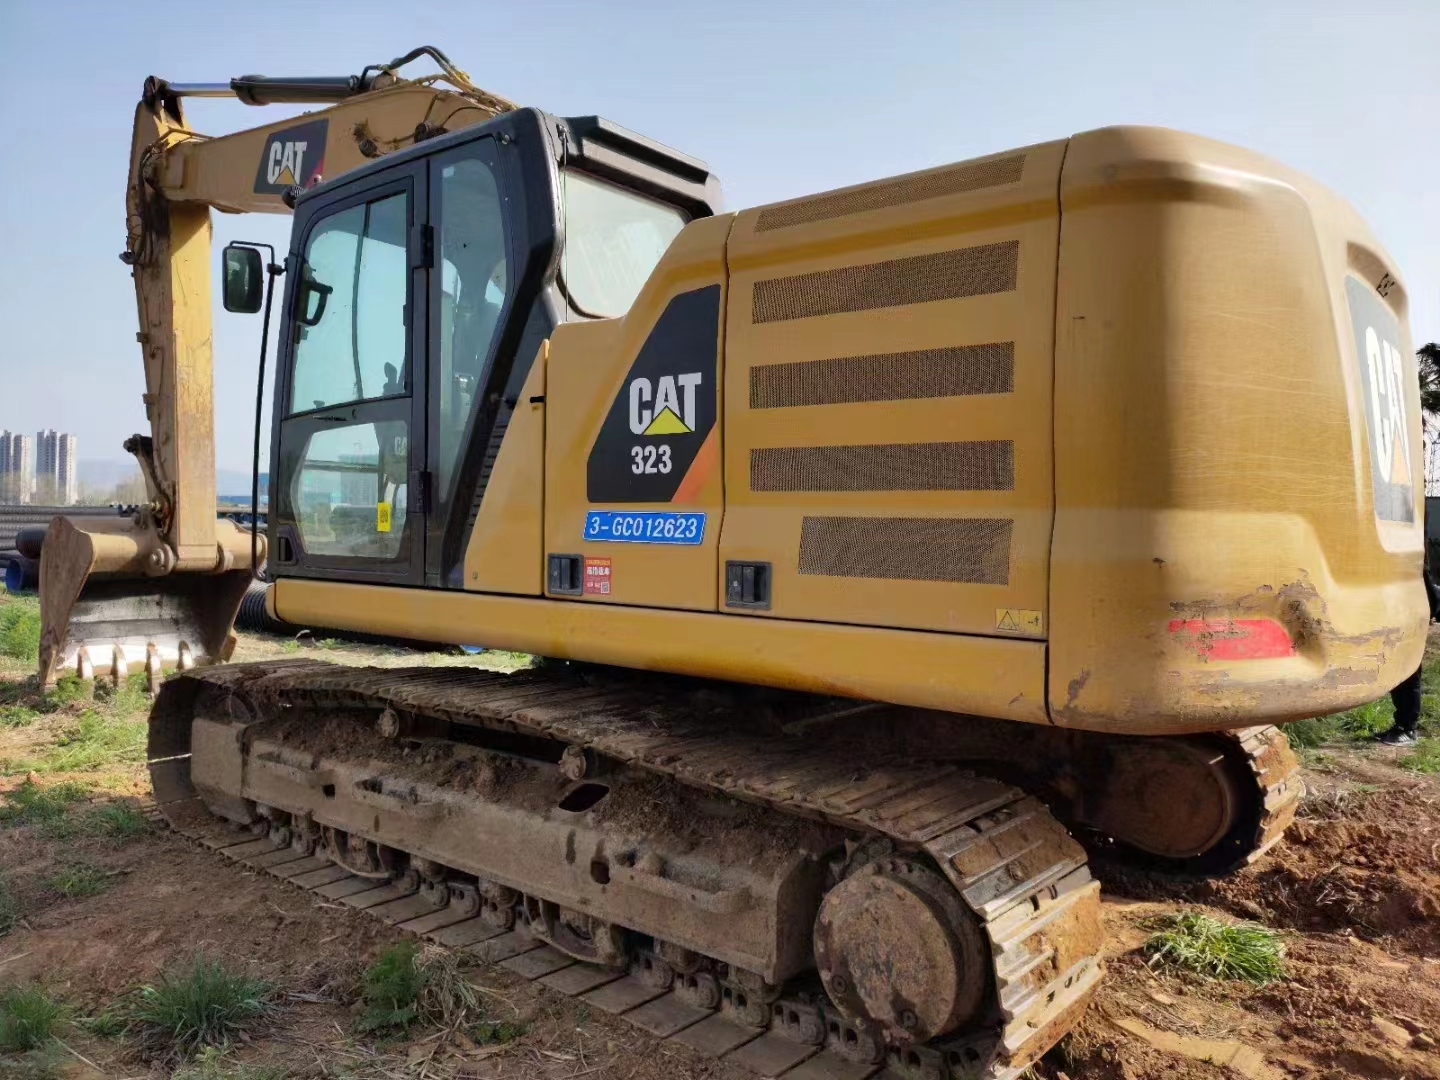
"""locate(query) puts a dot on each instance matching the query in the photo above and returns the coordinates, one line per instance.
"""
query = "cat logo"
(667, 408)
(293, 157)
(1387, 379)
(1387, 408)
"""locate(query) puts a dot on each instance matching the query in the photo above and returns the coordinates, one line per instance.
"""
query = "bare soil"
(1355, 890)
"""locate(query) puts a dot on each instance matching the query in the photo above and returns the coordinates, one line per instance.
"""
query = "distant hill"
(105, 472)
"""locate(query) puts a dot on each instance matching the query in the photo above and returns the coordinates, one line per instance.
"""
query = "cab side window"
(350, 308)
(474, 277)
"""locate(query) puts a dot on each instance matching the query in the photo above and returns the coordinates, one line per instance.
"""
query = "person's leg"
(1406, 698)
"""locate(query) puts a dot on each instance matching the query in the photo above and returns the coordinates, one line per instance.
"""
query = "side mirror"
(244, 285)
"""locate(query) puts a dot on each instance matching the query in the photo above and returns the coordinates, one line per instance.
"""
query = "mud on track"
(1354, 890)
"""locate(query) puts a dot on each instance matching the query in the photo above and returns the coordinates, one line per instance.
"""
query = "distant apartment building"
(55, 468)
(17, 468)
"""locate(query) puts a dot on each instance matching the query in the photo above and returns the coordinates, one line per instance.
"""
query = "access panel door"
(347, 485)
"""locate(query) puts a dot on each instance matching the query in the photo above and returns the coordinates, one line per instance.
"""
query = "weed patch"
(46, 807)
(20, 629)
(110, 1023)
(22, 702)
(10, 910)
(1425, 759)
(198, 1005)
(405, 986)
(1214, 949)
(97, 740)
(27, 1018)
(391, 990)
(118, 821)
(490, 1033)
(1311, 734)
(1359, 724)
(213, 1063)
(78, 879)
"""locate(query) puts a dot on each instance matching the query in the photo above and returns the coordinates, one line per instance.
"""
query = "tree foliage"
(1428, 360)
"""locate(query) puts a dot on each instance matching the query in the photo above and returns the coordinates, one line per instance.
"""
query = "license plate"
(644, 527)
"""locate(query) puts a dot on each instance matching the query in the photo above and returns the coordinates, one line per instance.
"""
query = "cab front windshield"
(613, 239)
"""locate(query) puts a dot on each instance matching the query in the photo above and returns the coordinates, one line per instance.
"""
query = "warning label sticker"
(596, 576)
(1018, 621)
(382, 517)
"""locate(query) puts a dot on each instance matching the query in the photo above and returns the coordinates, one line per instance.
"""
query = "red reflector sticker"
(1233, 639)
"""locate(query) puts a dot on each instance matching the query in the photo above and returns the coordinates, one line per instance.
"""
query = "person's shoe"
(1395, 737)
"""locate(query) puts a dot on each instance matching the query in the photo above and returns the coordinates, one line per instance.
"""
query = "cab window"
(613, 239)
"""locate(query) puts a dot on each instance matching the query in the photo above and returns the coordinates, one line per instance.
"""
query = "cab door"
(349, 484)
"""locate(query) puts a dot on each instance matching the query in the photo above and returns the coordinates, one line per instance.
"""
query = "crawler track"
(1015, 869)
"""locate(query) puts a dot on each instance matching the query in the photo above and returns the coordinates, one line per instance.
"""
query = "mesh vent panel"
(925, 373)
(937, 466)
(971, 550)
(909, 189)
(918, 279)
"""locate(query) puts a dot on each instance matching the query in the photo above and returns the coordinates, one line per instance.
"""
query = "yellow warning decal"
(382, 517)
(666, 423)
(1018, 621)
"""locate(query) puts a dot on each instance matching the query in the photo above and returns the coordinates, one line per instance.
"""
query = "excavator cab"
(419, 292)
(421, 283)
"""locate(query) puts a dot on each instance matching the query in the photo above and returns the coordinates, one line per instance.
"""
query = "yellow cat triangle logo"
(1399, 466)
(667, 423)
(286, 177)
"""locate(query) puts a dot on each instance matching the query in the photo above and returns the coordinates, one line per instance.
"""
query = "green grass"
(21, 704)
(213, 1063)
(391, 990)
(97, 740)
(11, 910)
(118, 821)
(405, 986)
(1359, 724)
(20, 628)
(503, 1032)
(108, 731)
(1425, 759)
(46, 807)
(200, 1004)
(109, 1023)
(77, 879)
(52, 811)
(1364, 722)
(1214, 949)
(27, 1018)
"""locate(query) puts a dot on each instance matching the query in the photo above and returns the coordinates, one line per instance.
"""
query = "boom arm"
(176, 176)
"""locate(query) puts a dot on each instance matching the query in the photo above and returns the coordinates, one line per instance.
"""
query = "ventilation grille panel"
(974, 551)
(918, 279)
(908, 189)
(960, 371)
(935, 466)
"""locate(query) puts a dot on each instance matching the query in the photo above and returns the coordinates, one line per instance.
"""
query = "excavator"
(891, 551)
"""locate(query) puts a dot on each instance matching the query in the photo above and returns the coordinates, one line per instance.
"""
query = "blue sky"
(782, 98)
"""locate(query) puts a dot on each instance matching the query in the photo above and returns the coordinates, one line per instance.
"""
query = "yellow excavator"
(882, 545)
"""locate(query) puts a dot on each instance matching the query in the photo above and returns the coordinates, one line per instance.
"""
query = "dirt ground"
(1355, 891)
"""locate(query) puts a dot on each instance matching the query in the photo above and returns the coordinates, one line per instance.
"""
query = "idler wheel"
(897, 947)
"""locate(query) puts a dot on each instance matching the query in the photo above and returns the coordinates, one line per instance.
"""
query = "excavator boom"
(158, 586)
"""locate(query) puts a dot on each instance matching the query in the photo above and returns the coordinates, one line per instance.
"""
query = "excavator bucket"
(112, 602)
